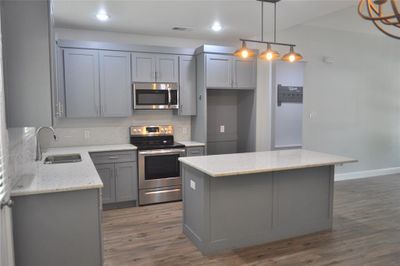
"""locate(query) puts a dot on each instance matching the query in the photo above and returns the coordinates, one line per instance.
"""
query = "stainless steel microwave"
(154, 95)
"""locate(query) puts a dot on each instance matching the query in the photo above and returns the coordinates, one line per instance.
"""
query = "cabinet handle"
(155, 75)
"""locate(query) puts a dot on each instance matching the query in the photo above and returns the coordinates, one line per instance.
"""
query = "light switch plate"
(222, 128)
(192, 185)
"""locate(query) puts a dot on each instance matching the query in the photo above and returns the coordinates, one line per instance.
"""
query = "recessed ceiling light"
(216, 26)
(102, 15)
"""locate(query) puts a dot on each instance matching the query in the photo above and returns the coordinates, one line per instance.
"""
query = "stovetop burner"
(153, 137)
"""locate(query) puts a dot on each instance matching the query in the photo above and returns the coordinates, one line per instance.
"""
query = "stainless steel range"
(158, 169)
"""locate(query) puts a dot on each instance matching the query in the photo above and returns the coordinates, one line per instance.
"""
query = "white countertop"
(51, 178)
(259, 162)
(189, 143)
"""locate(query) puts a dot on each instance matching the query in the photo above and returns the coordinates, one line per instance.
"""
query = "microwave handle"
(169, 96)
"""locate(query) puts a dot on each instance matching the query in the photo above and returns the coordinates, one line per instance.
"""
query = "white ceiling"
(239, 18)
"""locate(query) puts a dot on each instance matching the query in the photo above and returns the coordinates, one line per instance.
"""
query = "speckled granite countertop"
(259, 162)
(51, 178)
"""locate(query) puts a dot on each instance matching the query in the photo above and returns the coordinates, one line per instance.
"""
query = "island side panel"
(195, 198)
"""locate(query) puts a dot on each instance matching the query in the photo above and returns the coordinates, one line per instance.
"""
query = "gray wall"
(351, 106)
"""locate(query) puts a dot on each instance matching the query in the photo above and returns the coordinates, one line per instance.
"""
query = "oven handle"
(166, 151)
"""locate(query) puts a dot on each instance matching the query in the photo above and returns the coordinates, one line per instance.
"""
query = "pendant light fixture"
(269, 54)
(381, 19)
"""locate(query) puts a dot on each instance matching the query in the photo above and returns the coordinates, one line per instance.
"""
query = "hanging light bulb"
(292, 56)
(244, 52)
(269, 54)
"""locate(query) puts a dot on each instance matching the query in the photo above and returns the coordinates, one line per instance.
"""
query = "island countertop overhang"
(262, 162)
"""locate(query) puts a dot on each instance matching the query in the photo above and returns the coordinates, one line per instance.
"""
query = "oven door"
(160, 168)
(155, 96)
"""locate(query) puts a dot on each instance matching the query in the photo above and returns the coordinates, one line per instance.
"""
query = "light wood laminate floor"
(366, 232)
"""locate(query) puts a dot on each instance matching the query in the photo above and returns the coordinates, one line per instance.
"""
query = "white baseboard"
(368, 173)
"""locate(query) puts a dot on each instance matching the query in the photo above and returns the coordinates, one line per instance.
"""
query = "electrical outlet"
(192, 185)
(86, 134)
(222, 129)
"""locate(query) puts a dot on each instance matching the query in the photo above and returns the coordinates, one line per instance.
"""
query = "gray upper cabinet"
(126, 181)
(143, 67)
(26, 38)
(81, 79)
(219, 71)
(167, 68)
(245, 73)
(106, 173)
(115, 84)
(148, 67)
(229, 72)
(187, 85)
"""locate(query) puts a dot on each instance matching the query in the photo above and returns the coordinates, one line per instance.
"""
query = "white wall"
(352, 106)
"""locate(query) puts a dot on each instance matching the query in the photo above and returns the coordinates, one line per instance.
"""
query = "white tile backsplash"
(21, 153)
(100, 131)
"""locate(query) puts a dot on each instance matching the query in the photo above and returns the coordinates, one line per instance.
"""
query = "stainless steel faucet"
(38, 148)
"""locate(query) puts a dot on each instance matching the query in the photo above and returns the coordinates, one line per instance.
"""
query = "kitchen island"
(238, 200)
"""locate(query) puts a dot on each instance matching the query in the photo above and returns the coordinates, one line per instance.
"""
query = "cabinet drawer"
(194, 151)
(113, 157)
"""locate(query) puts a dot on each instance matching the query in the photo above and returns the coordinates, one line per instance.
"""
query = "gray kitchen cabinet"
(106, 173)
(149, 67)
(194, 151)
(244, 73)
(126, 181)
(118, 171)
(229, 72)
(187, 85)
(115, 84)
(62, 228)
(82, 89)
(26, 37)
(219, 71)
(166, 68)
(143, 67)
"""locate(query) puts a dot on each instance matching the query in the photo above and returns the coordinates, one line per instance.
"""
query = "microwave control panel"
(290, 94)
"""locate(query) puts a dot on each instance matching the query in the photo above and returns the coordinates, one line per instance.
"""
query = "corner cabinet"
(149, 67)
(187, 85)
(97, 83)
(229, 72)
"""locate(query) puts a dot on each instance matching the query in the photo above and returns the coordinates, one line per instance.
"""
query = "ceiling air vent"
(181, 29)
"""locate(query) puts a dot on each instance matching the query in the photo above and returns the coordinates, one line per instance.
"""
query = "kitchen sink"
(63, 158)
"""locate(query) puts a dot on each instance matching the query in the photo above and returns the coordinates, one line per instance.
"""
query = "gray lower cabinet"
(118, 171)
(195, 151)
(26, 40)
(187, 85)
(61, 228)
(229, 72)
(106, 173)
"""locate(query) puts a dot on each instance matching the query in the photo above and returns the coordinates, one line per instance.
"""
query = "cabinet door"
(187, 85)
(115, 84)
(81, 77)
(126, 181)
(143, 67)
(245, 73)
(219, 71)
(106, 173)
(167, 68)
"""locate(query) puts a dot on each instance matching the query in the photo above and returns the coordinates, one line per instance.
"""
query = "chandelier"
(383, 14)
(269, 54)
